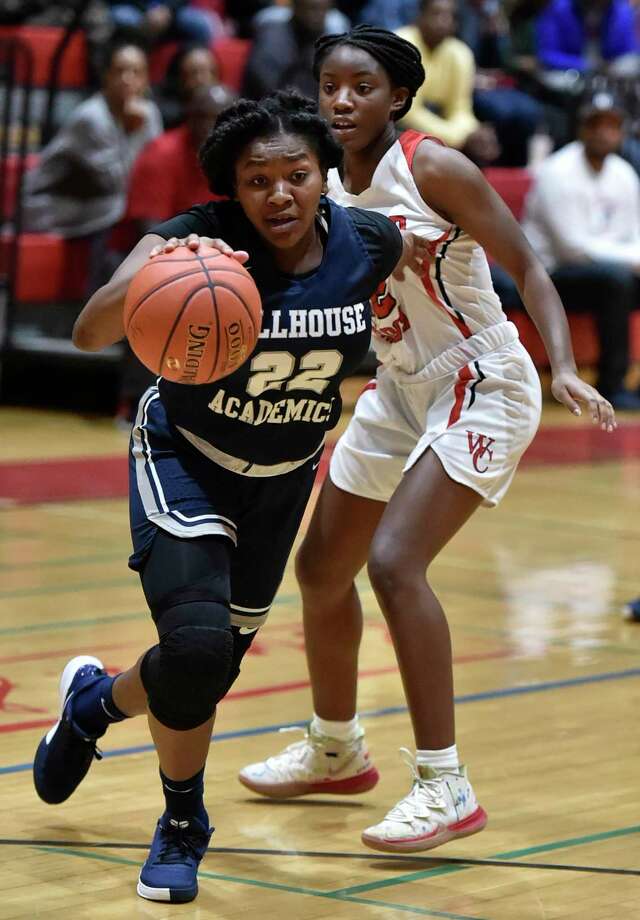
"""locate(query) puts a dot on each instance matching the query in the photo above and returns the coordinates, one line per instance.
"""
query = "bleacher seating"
(50, 269)
(232, 55)
(159, 60)
(44, 40)
(513, 185)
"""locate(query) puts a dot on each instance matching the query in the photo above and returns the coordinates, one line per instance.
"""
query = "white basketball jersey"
(417, 319)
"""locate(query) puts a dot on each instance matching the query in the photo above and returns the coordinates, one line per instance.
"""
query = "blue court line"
(272, 886)
(381, 713)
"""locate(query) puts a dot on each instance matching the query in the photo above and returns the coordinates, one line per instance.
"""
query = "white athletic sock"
(341, 731)
(445, 759)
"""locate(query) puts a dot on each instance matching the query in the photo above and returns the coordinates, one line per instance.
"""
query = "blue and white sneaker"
(631, 611)
(65, 753)
(170, 872)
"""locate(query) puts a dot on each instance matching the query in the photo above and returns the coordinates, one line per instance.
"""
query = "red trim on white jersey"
(411, 140)
(464, 376)
(455, 316)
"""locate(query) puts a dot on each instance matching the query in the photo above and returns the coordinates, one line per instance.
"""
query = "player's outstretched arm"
(456, 189)
(101, 322)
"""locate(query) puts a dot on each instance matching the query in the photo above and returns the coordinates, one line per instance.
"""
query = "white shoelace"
(426, 796)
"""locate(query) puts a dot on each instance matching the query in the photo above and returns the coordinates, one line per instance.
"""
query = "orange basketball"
(192, 317)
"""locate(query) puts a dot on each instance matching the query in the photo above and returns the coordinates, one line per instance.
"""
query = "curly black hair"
(400, 59)
(246, 120)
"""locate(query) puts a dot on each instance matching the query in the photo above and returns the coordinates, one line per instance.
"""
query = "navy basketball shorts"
(174, 487)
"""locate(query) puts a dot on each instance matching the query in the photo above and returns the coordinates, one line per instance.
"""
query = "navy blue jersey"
(315, 331)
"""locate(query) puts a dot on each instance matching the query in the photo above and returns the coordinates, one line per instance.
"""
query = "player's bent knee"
(187, 674)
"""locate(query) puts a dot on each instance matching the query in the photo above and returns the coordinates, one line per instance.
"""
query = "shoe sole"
(354, 785)
(471, 825)
(168, 895)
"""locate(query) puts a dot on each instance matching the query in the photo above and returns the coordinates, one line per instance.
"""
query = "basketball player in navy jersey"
(440, 432)
(220, 474)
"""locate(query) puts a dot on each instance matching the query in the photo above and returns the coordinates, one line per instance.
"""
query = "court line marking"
(457, 861)
(72, 624)
(61, 561)
(511, 854)
(267, 690)
(516, 638)
(70, 589)
(484, 695)
(274, 886)
(285, 600)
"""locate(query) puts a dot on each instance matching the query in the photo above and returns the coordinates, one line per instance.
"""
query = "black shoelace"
(177, 844)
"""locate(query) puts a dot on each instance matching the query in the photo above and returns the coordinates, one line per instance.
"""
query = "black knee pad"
(241, 644)
(188, 672)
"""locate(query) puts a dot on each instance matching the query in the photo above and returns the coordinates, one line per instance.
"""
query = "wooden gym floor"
(546, 681)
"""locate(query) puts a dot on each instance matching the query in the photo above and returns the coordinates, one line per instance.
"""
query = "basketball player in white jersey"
(439, 432)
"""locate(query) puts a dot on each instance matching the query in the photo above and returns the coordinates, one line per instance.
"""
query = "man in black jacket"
(282, 54)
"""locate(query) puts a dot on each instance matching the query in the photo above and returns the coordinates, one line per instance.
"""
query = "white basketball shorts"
(479, 420)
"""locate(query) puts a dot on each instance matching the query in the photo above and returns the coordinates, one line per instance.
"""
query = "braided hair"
(239, 124)
(398, 57)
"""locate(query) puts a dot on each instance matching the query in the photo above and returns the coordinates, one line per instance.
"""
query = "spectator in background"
(334, 21)
(583, 220)
(523, 18)
(283, 55)
(389, 14)
(443, 105)
(580, 36)
(163, 20)
(79, 187)
(514, 114)
(193, 67)
(169, 164)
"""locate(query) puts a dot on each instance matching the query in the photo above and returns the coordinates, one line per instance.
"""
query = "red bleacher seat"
(512, 185)
(583, 337)
(159, 61)
(215, 6)
(50, 268)
(43, 41)
(232, 54)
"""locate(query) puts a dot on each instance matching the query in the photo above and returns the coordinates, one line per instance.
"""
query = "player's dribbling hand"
(193, 242)
(570, 390)
(415, 250)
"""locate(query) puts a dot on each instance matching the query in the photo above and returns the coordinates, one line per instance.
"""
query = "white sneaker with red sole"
(316, 764)
(440, 807)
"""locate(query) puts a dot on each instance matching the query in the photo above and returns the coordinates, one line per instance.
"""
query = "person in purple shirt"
(583, 35)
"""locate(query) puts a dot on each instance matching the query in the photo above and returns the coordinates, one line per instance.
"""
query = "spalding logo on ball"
(192, 317)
